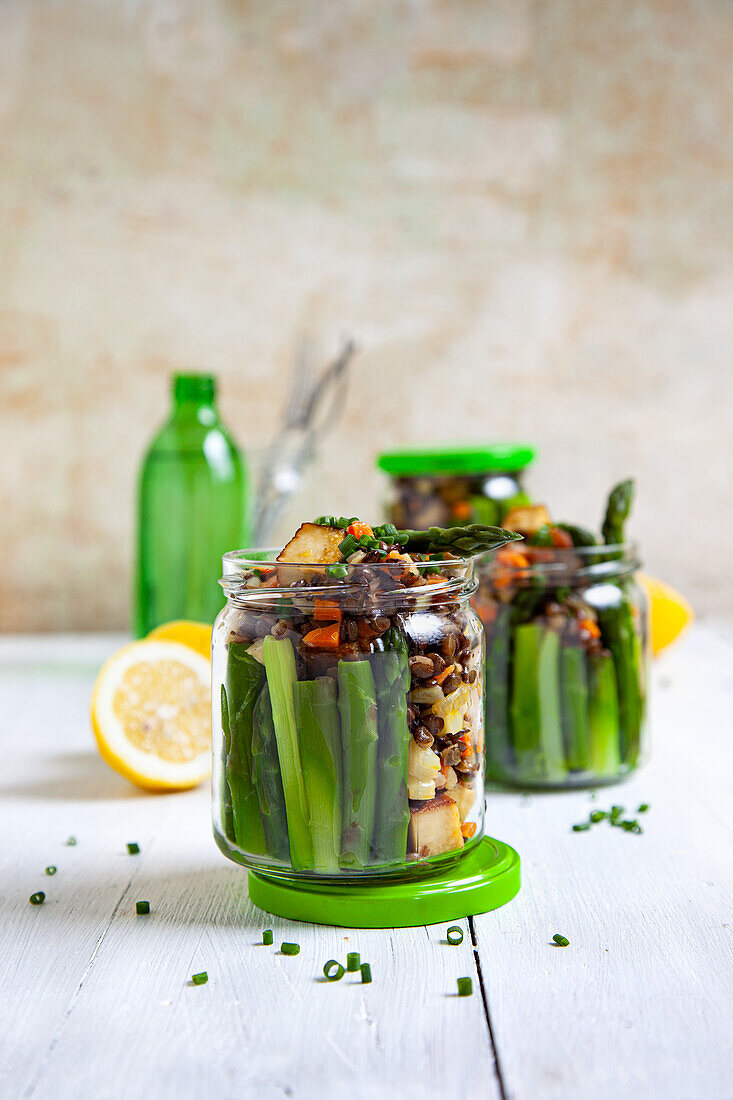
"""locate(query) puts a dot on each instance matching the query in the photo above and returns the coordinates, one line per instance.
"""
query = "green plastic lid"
(488, 876)
(456, 460)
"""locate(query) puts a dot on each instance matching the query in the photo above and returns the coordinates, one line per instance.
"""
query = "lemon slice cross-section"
(151, 714)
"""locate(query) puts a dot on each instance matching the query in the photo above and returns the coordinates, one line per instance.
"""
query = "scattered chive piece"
(333, 971)
(465, 987)
(561, 941)
(643, 808)
(353, 962)
(133, 849)
(289, 948)
(598, 815)
(200, 979)
(581, 828)
(37, 899)
(616, 812)
(454, 935)
(267, 937)
(71, 842)
(142, 907)
(366, 973)
(51, 870)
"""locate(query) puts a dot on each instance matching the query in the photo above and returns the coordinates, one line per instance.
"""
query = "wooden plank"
(96, 999)
(639, 1005)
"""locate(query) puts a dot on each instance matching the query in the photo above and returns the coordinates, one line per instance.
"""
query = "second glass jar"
(566, 665)
(347, 717)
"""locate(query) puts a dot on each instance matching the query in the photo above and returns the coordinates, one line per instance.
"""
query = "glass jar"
(347, 717)
(450, 487)
(566, 665)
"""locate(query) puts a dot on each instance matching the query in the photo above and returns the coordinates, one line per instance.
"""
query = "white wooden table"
(96, 1001)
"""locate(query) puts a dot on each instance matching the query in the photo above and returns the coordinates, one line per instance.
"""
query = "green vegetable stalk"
(499, 750)
(244, 681)
(575, 699)
(619, 634)
(319, 740)
(604, 716)
(359, 741)
(617, 512)
(227, 810)
(281, 676)
(392, 680)
(535, 705)
(268, 781)
(475, 538)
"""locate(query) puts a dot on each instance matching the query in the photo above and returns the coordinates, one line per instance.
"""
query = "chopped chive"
(366, 973)
(561, 941)
(353, 962)
(200, 979)
(631, 826)
(465, 987)
(289, 948)
(454, 935)
(70, 843)
(581, 828)
(333, 971)
(142, 907)
(267, 937)
(598, 815)
(133, 849)
(338, 570)
(616, 812)
(643, 808)
(51, 870)
(37, 899)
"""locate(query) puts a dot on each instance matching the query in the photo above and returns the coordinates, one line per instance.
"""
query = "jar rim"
(239, 565)
(579, 564)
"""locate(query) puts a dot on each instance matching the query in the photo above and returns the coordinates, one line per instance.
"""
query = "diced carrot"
(468, 829)
(466, 739)
(592, 627)
(461, 509)
(560, 539)
(512, 557)
(327, 611)
(360, 530)
(323, 637)
(444, 674)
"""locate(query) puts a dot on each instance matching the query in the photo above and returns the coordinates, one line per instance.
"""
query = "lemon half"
(151, 714)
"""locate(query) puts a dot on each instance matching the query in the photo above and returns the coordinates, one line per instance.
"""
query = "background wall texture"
(521, 209)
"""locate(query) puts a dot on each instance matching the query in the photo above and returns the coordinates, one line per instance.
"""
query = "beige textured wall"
(522, 210)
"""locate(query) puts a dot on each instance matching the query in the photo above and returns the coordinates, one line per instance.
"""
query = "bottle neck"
(194, 398)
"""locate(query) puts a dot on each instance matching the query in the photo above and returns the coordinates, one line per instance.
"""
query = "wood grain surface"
(97, 1001)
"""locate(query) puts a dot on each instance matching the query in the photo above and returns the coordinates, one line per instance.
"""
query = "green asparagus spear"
(581, 536)
(603, 716)
(319, 740)
(245, 678)
(359, 741)
(619, 634)
(535, 706)
(575, 717)
(499, 751)
(268, 780)
(281, 676)
(225, 793)
(392, 680)
(617, 512)
(476, 538)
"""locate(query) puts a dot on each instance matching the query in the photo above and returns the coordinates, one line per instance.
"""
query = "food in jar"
(566, 651)
(348, 675)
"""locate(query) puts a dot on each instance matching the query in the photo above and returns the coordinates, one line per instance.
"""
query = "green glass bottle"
(192, 508)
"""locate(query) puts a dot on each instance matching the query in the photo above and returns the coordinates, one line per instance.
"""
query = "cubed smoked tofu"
(527, 519)
(464, 796)
(313, 544)
(435, 827)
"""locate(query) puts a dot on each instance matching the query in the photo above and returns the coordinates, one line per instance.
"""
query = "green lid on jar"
(414, 462)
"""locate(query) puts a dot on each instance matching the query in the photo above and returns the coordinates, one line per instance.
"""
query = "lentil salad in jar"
(348, 701)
